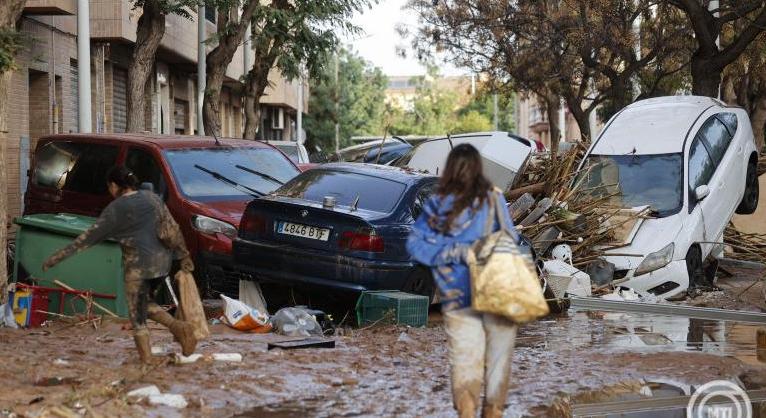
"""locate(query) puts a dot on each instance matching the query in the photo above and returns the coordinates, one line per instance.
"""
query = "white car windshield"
(636, 180)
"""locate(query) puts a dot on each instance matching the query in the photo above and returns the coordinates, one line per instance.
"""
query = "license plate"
(303, 231)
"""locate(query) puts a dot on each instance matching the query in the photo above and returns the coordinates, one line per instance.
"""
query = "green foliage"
(304, 32)
(472, 121)
(484, 105)
(10, 43)
(436, 111)
(361, 101)
(432, 111)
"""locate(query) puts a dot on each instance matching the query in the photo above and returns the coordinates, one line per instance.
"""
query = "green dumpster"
(97, 269)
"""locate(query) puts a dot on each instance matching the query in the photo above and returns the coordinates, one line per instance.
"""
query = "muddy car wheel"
(749, 201)
(694, 267)
(421, 282)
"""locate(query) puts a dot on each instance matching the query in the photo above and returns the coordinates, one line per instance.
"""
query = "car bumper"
(218, 274)
(289, 265)
(666, 282)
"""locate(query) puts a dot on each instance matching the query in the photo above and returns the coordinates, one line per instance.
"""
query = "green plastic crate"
(403, 308)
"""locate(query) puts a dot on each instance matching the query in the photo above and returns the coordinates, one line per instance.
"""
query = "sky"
(379, 41)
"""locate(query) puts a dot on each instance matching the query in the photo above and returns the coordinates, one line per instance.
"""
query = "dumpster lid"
(63, 223)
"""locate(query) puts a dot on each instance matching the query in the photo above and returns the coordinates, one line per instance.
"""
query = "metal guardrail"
(649, 405)
(595, 304)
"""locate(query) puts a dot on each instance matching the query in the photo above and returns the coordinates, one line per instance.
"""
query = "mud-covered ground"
(380, 371)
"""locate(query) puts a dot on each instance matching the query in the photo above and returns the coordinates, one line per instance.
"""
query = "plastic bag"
(296, 322)
(244, 318)
(6, 316)
(190, 308)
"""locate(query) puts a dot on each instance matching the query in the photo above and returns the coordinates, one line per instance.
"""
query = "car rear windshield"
(375, 193)
(636, 180)
(193, 170)
(290, 150)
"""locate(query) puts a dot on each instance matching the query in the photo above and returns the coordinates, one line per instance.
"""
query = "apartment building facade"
(44, 86)
(532, 121)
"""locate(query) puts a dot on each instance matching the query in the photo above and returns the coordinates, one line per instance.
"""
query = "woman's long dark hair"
(463, 177)
(122, 177)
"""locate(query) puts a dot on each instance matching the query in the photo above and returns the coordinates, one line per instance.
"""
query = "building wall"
(47, 70)
(48, 41)
(532, 122)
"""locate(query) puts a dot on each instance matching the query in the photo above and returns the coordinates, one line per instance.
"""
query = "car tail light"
(362, 240)
(253, 224)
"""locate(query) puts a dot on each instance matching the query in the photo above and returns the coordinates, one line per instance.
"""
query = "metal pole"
(562, 122)
(201, 67)
(494, 115)
(83, 65)
(637, 48)
(299, 119)
(713, 314)
(337, 104)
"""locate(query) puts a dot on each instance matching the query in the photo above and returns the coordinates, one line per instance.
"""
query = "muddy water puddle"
(608, 332)
(614, 333)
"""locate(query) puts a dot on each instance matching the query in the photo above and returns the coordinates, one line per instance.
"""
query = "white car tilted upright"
(692, 160)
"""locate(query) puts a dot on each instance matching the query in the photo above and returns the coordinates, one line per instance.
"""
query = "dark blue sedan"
(341, 226)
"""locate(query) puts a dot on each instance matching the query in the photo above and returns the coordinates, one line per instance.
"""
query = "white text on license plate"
(305, 231)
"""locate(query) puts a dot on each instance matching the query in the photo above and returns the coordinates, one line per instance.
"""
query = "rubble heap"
(743, 246)
(550, 206)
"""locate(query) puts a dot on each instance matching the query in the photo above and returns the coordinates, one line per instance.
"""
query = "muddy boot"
(466, 405)
(144, 347)
(183, 332)
(491, 411)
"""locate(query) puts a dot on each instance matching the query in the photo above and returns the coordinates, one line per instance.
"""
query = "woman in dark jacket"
(480, 345)
(149, 237)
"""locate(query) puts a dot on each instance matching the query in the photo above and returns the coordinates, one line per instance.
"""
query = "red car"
(205, 184)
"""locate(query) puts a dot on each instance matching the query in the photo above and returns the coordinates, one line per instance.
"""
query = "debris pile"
(744, 246)
(551, 206)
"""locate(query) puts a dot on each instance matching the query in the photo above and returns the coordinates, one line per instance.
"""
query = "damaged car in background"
(685, 165)
(504, 155)
(341, 226)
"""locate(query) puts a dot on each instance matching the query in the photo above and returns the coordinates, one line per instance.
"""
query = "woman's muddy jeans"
(480, 350)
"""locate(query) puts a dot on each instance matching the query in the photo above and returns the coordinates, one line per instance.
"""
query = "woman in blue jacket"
(480, 345)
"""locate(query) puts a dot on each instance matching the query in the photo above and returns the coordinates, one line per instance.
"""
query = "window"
(145, 167)
(374, 193)
(291, 151)
(421, 198)
(730, 120)
(208, 173)
(701, 168)
(210, 14)
(76, 167)
(630, 181)
(716, 138)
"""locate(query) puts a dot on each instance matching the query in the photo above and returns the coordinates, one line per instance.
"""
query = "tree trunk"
(728, 92)
(9, 15)
(252, 116)
(149, 33)
(758, 120)
(231, 36)
(552, 104)
(706, 77)
(257, 81)
(581, 117)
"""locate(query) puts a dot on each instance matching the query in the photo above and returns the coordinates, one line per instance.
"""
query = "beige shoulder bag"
(503, 279)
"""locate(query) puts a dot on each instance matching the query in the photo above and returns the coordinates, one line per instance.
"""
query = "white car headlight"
(656, 260)
(213, 226)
